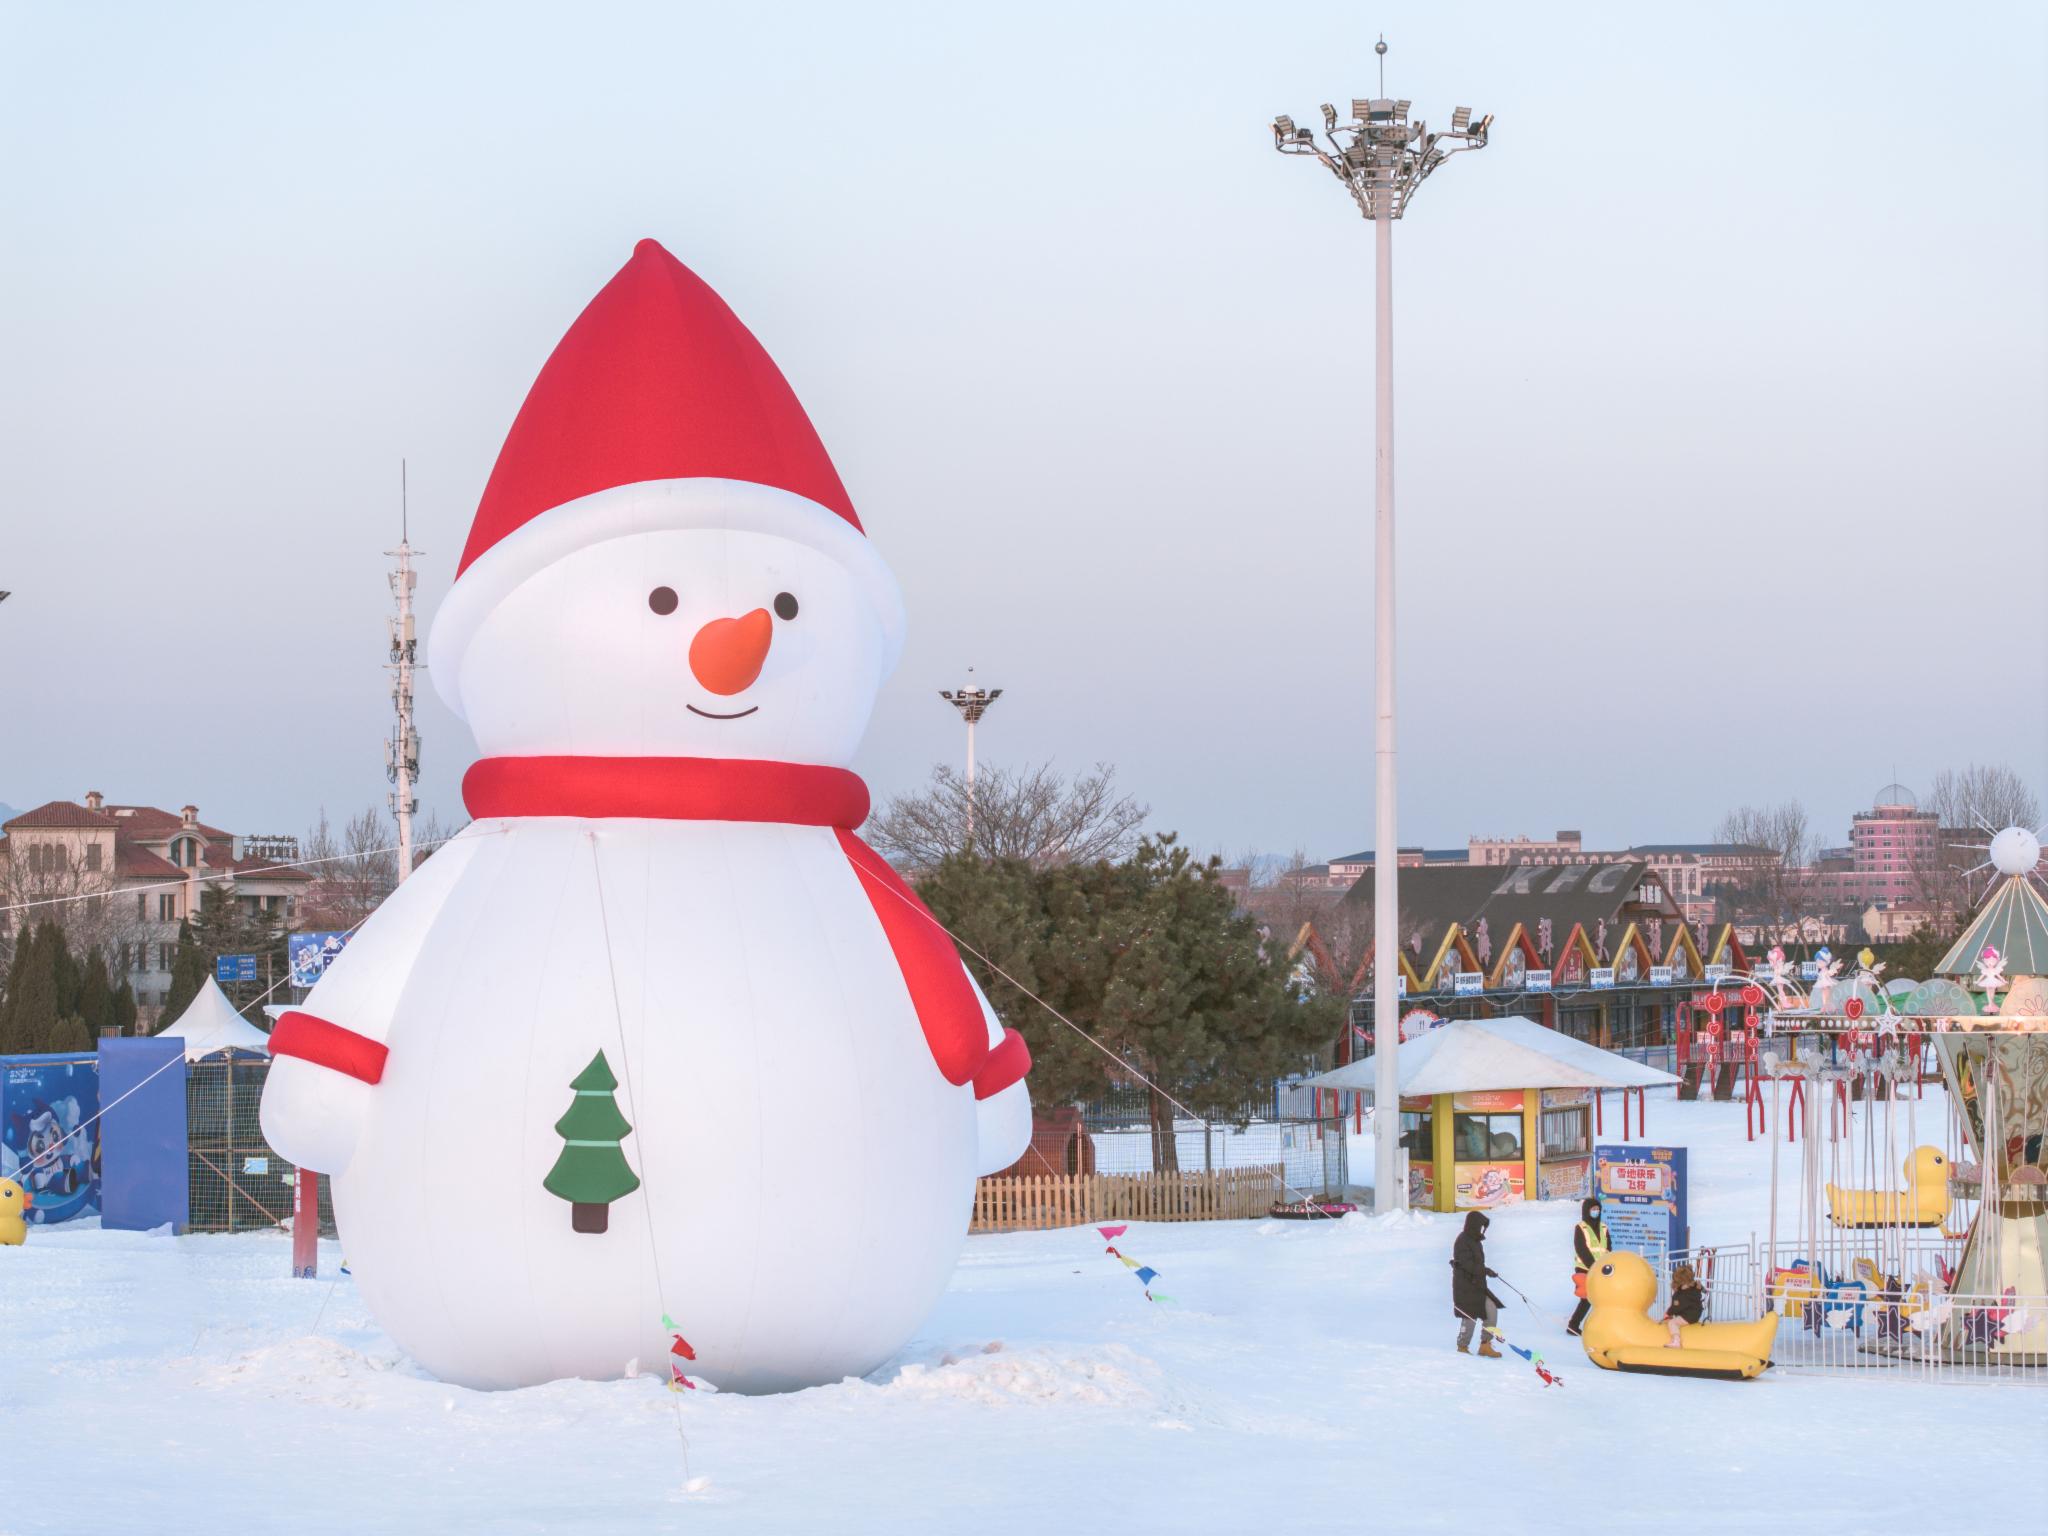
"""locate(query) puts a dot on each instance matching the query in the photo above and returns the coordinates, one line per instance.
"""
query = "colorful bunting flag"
(677, 1381)
(1542, 1371)
(1145, 1274)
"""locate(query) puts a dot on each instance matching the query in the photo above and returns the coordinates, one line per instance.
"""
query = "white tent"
(210, 1023)
(1475, 1055)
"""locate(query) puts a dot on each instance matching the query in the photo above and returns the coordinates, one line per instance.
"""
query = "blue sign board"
(234, 968)
(49, 1133)
(311, 953)
(1642, 1196)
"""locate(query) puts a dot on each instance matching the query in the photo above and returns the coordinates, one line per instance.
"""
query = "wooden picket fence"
(1040, 1202)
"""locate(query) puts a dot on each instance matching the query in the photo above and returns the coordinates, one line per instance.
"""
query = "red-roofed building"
(125, 876)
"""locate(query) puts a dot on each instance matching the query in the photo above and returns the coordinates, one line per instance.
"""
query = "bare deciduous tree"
(56, 881)
(1984, 797)
(1776, 895)
(1037, 815)
(429, 832)
(1783, 829)
(353, 868)
(1969, 806)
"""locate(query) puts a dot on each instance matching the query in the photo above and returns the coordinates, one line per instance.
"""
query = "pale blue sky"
(1723, 380)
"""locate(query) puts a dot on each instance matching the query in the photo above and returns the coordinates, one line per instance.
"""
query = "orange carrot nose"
(727, 653)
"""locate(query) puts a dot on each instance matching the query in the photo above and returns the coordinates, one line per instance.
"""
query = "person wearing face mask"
(1590, 1243)
(1470, 1298)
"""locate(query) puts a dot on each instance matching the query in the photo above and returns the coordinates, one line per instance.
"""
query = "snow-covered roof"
(1475, 1055)
(210, 1023)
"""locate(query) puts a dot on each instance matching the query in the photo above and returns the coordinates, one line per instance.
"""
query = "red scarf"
(727, 789)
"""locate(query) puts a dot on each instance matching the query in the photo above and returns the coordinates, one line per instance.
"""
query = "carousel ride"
(1904, 1242)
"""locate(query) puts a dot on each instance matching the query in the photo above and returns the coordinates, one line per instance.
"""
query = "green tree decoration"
(592, 1171)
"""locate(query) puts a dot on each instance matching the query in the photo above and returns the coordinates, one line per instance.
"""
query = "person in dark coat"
(1470, 1298)
(1590, 1244)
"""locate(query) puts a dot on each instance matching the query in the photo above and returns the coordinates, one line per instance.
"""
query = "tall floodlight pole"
(972, 703)
(402, 750)
(1382, 158)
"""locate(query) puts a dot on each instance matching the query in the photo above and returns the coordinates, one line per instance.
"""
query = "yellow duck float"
(1922, 1203)
(1620, 1335)
(15, 1203)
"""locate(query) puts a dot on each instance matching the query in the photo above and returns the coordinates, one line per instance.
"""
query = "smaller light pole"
(972, 703)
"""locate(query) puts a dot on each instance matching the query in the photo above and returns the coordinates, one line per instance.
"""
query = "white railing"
(1899, 1320)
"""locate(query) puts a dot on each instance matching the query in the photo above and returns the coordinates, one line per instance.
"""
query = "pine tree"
(96, 996)
(1147, 954)
(592, 1171)
(70, 975)
(124, 1008)
(224, 926)
(32, 1011)
(17, 972)
(189, 970)
(67, 1034)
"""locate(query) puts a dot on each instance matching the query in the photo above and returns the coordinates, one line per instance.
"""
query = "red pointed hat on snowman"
(658, 386)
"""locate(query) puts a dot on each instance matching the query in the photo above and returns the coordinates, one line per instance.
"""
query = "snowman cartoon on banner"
(657, 1034)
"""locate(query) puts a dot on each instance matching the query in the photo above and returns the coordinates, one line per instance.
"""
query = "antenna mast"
(402, 749)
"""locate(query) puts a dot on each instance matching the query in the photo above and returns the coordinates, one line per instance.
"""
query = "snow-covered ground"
(1302, 1378)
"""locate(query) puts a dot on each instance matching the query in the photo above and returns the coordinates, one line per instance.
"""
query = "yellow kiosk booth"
(1494, 1111)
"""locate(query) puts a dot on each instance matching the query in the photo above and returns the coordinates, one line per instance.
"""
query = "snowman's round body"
(805, 1172)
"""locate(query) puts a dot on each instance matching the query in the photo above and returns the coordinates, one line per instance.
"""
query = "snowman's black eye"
(662, 600)
(785, 606)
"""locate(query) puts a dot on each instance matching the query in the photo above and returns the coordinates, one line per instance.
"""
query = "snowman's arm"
(327, 1057)
(1002, 1099)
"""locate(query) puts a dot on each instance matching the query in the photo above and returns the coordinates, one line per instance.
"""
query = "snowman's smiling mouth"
(737, 714)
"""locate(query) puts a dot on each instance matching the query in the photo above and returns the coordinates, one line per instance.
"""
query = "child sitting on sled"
(1688, 1301)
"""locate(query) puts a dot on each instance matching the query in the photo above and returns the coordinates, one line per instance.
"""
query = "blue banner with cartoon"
(49, 1133)
(311, 953)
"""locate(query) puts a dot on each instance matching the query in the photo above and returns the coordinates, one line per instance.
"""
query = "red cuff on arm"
(1007, 1063)
(329, 1045)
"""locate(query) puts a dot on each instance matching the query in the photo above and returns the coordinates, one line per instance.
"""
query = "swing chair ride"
(1893, 1239)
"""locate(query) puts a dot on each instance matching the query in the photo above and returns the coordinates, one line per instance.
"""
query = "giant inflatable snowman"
(657, 1033)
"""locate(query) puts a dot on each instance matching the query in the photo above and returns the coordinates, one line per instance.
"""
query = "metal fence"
(1862, 1317)
(237, 1183)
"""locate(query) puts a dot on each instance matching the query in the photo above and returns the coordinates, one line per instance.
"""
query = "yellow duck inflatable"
(1620, 1335)
(1922, 1203)
(14, 1207)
